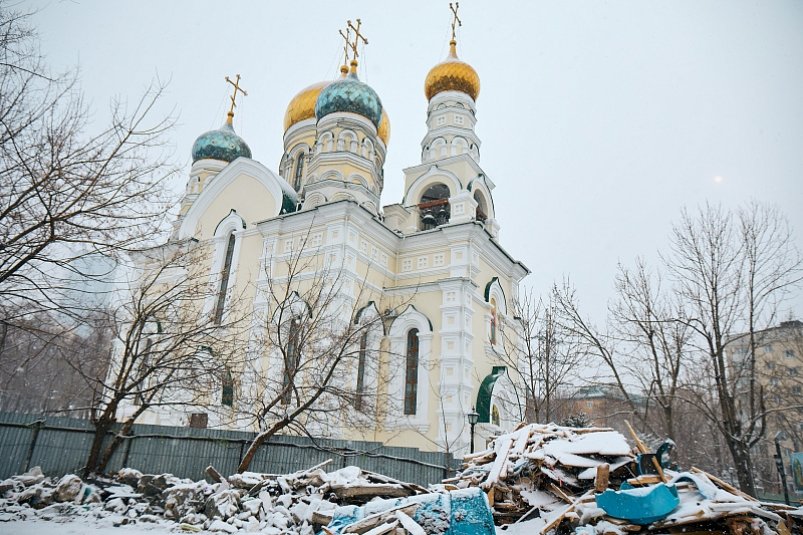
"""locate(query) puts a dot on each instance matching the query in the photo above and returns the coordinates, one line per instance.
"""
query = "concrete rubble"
(303, 503)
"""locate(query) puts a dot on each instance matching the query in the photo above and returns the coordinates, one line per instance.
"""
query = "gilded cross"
(346, 36)
(357, 37)
(233, 97)
(455, 19)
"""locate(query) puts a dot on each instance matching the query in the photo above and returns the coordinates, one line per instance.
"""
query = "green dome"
(351, 95)
(221, 144)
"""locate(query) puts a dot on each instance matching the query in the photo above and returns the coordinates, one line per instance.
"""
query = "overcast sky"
(599, 119)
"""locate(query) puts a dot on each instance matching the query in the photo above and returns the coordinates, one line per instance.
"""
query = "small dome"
(221, 144)
(383, 131)
(452, 74)
(349, 94)
(302, 106)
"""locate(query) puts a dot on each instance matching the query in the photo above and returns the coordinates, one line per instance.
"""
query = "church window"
(227, 393)
(361, 371)
(411, 373)
(224, 280)
(434, 206)
(441, 120)
(437, 260)
(458, 119)
(299, 170)
(493, 321)
(422, 262)
(495, 419)
(407, 264)
(482, 211)
(292, 359)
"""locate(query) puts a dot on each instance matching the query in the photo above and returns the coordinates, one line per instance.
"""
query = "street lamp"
(779, 436)
(473, 417)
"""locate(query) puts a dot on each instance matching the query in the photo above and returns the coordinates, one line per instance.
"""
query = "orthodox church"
(434, 255)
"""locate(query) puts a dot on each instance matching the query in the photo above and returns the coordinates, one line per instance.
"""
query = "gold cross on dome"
(357, 37)
(455, 19)
(346, 36)
(233, 97)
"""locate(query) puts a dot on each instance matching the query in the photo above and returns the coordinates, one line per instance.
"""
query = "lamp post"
(473, 417)
(779, 436)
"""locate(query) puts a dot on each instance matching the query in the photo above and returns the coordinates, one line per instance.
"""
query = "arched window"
(493, 321)
(411, 373)
(482, 211)
(434, 206)
(227, 392)
(358, 396)
(224, 280)
(292, 360)
(299, 170)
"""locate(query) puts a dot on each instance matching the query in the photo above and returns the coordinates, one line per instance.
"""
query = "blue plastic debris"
(640, 506)
(459, 512)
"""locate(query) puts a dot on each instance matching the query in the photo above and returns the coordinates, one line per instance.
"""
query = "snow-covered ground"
(81, 526)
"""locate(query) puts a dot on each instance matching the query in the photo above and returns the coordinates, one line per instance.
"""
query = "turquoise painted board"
(640, 506)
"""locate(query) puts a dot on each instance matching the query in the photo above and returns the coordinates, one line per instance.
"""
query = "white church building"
(429, 264)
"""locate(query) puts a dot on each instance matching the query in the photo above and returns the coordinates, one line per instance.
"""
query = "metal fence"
(61, 445)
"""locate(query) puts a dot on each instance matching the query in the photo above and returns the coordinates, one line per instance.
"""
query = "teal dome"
(351, 95)
(221, 144)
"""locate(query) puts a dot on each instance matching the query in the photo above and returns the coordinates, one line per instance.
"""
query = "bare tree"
(66, 192)
(654, 344)
(732, 269)
(169, 350)
(600, 345)
(35, 374)
(319, 364)
(542, 357)
(727, 273)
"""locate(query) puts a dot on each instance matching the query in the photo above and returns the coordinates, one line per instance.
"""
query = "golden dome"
(303, 105)
(384, 128)
(452, 74)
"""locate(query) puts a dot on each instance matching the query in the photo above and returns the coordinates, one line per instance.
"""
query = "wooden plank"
(556, 522)
(562, 495)
(643, 449)
(644, 480)
(727, 486)
(363, 491)
(499, 463)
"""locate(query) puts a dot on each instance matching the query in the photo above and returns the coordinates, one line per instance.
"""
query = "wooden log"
(602, 477)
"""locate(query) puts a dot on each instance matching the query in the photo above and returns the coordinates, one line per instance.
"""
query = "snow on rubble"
(545, 478)
(539, 479)
(303, 503)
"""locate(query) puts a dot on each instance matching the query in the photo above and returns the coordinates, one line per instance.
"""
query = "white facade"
(434, 258)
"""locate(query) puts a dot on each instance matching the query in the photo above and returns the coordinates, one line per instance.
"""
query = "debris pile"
(299, 503)
(548, 477)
